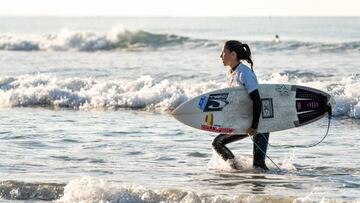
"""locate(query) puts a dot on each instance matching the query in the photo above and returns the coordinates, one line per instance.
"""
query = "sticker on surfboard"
(210, 126)
(215, 102)
(267, 109)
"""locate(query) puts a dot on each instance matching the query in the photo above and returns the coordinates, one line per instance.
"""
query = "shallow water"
(46, 146)
(86, 117)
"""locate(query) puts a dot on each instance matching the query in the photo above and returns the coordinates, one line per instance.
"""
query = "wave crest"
(120, 39)
(26, 191)
(152, 94)
(93, 41)
(77, 93)
(90, 189)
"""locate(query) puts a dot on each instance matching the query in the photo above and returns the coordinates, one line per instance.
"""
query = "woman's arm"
(254, 95)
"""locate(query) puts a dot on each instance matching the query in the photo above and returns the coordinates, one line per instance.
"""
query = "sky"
(176, 8)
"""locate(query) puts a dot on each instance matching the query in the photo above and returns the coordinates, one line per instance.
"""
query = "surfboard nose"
(178, 110)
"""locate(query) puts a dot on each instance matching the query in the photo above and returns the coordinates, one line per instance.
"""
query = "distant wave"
(92, 41)
(268, 46)
(304, 76)
(142, 40)
(148, 93)
(88, 189)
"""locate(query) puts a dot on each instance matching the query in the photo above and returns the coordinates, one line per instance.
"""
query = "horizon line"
(169, 16)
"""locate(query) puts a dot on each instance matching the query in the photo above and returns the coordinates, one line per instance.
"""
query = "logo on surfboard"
(283, 90)
(267, 108)
(202, 102)
(215, 102)
(217, 129)
(209, 120)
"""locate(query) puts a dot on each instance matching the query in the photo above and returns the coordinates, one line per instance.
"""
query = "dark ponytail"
(248, 55)
(242, 51)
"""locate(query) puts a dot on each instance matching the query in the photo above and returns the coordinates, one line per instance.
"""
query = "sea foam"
(146, 92)
(115, 39)
(89, 189)
(77, 93)
(92, 189)
(119, 38)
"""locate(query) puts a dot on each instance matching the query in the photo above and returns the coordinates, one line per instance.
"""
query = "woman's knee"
(217, 142)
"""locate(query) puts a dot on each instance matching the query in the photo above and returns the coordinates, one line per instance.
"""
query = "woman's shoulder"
(244, 66)
(244, 69)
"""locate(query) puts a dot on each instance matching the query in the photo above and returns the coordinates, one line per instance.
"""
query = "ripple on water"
(198, 154)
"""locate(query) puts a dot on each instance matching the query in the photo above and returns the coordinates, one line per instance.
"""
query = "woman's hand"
(251, 131)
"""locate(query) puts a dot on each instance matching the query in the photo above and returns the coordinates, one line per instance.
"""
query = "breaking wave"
(119, 39)
(79, 93)
(88, 189)
(93, 41)
(148, 93)
(30, 191)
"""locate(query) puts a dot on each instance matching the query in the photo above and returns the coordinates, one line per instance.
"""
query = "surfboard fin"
(331, 105)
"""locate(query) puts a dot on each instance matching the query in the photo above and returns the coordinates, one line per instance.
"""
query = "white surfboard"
(229, 110)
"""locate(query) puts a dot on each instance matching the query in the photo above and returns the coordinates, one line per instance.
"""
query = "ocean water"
(85, 109)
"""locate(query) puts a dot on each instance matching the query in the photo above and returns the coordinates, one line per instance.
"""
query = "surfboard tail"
(311, 104)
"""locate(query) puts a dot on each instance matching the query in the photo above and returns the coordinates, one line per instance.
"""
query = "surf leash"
(292, 146)
(309, 145)
(264, 153)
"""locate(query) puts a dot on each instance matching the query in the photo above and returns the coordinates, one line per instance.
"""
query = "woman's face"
(227, 57)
